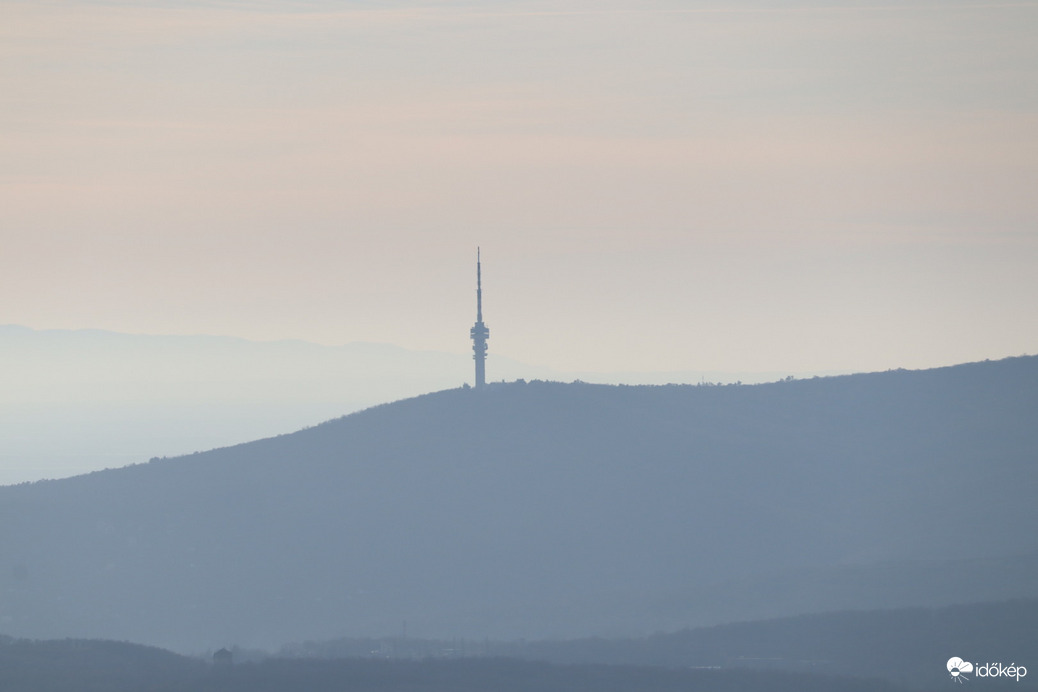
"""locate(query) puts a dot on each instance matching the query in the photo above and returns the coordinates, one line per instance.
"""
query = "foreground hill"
(544, 509)
(93, 666)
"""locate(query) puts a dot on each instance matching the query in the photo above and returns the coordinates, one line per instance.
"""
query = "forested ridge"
(550, 510)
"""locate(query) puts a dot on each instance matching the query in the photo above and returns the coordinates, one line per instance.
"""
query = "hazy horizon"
(85, 400)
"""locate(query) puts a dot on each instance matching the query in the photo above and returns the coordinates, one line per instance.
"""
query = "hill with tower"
(543, 509)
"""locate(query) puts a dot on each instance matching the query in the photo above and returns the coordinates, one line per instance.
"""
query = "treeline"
(907, 646)
(99, 666)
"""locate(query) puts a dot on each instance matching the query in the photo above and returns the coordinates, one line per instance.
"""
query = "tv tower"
(479, 331)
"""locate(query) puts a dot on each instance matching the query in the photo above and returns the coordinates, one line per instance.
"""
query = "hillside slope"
(543, 509)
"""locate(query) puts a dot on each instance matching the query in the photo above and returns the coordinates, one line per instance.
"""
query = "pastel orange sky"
(731, 186)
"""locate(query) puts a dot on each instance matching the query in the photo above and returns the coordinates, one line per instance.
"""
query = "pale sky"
(656, 185)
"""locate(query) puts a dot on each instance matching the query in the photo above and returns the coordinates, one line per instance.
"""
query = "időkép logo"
(959, 670)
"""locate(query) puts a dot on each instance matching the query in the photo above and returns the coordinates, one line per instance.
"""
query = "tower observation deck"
(479, 331)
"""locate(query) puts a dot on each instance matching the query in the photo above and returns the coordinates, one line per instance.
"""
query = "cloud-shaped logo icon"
(956, 667)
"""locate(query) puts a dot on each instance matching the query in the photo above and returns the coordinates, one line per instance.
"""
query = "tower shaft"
(479, 331)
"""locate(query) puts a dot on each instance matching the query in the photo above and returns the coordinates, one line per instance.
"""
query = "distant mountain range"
(539, 509)
(74, 401)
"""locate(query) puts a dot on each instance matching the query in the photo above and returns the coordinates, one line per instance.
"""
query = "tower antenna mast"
(479, 331)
